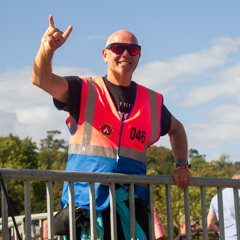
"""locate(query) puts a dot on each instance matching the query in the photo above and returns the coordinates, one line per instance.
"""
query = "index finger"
(51, 22)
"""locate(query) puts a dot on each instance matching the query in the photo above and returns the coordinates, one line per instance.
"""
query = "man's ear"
(139, 55)
(105, 57)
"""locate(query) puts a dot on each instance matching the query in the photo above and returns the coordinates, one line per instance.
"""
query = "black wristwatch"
(182, 162)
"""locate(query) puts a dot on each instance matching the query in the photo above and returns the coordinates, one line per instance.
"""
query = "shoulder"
(73, 80)
(74, 92)
(143, 87)
(228, 193)
(74, 86)
(213, 201)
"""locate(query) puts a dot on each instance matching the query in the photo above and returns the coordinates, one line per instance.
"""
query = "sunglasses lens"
(133, 50)
(118, 49)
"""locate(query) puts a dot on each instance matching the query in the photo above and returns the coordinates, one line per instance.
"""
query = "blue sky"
(190, 53)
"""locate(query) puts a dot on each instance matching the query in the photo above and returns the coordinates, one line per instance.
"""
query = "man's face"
(193, 228)
(183, 228)
(123, 64)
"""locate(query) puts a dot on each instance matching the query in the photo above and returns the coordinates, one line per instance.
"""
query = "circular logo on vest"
(106, 130)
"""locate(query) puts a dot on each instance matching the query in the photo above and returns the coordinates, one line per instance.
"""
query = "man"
(112, 121)
(228, 212)
(182, 224)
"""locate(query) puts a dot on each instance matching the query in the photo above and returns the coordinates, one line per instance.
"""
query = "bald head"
(122, 36)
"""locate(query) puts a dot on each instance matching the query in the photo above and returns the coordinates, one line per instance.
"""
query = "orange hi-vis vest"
(103, 142)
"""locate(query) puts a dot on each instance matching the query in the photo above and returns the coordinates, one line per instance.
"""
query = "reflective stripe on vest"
(101, 132)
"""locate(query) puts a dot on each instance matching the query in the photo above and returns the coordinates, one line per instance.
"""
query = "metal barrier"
(107, 178)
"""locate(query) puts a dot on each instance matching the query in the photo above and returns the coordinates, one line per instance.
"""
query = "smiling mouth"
(125, 63)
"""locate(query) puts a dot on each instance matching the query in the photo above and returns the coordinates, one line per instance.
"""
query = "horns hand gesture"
(53, 37)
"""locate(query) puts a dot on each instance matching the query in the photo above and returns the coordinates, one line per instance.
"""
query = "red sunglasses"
(119, 48)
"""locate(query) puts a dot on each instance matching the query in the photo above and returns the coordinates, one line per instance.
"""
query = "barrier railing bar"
(221, 214)
(41, 228)
(72, 224)
(27, 201)
(92, 211)
(113, 218)
(187, 213)
(4, 213)
(49, 190)
(151, 216)
(52, 175)
(132, 212)
(204, 212)
(169, 212)
(14, 233)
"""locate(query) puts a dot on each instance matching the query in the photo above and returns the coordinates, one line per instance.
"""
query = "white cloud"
(17, 91)
(72, 71)
(36, 121)
(165, 76)
(226, 83)
(27, 110)
(226, 114)
(219, 133)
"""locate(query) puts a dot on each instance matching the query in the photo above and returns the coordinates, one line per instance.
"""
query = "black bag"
(61, 220)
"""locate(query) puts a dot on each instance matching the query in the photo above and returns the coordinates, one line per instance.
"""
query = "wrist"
(183, 167)
(182, 163)
(46, 51)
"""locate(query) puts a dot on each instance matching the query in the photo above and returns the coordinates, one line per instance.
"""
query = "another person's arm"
(178, 140)
(42, 75)
(212, 222)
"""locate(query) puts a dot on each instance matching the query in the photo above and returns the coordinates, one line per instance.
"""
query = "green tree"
(53, 152)
(52, 156)
(193, 154)
(17, 153)
(160, 161)
(196, 160)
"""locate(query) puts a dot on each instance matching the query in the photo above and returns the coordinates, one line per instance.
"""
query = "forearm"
(43, 77)
(212, 222)
(178, 140)
(214, 227)
(42, 69)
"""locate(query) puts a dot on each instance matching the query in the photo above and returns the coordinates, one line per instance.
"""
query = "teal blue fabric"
(85, 233)
(122, 209)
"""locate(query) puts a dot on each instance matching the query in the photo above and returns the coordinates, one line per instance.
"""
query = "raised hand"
(53, 37)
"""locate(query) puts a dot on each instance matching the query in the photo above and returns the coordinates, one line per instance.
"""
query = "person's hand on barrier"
(182, 177)
(53, 38)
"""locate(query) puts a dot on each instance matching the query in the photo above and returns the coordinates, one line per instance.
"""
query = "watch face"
(182, 161)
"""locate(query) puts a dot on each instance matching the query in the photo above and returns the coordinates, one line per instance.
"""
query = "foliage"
(160, 160)
(53, 152)
(17, 153)
(23, 154)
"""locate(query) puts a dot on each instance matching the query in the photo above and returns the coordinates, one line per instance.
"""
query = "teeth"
(127, 63)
